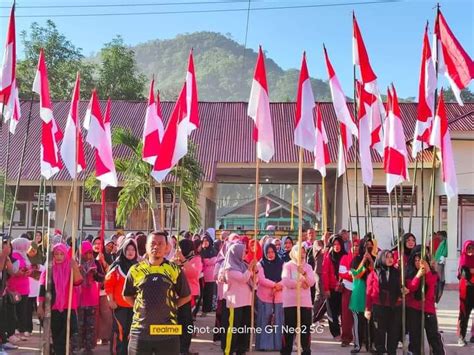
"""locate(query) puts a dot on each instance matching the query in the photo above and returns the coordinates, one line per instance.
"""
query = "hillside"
(222, 72)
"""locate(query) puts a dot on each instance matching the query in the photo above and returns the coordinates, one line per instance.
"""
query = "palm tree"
(136, 173)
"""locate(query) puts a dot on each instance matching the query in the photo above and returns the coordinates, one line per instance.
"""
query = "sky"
(392, 30)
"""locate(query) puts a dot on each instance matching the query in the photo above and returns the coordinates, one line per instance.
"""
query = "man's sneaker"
(9, 346)
(462, 342)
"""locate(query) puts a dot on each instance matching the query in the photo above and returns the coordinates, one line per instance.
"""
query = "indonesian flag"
(321, 151)
(10, 103)
(346, 121)
(98, 136)
(174, 144)
(192, 96)
(426, 96)
(453, 61)
(73, 136)
(153, 130)
(305, 135)
(259, 111)
(51, 134)
(395, 159)
(441, 139)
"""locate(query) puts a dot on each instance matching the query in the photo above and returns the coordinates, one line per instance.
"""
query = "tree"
(63, 59)
(118, 74)
(136, 172)
(466, 95)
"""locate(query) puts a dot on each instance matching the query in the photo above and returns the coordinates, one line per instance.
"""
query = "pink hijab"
(61, 277)
(466, 260)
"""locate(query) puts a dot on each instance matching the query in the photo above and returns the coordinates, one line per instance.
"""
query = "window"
(92, 215)
(33, 211)
(379, 201)
(19, 215)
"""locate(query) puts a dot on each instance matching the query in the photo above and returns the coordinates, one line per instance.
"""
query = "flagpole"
(162, 209)
(334, 204)
(300, 242)
(22, 160)
(44, 208)
(257, 196)
(369, 211)
(5, 181)
(153, 202)
(38, 208)
(67, 207)
(292, 222)
(356, 156)
(413, 192)
(180, 197)
(173, 206)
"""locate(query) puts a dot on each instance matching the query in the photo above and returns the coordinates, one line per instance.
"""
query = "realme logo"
(166, 330)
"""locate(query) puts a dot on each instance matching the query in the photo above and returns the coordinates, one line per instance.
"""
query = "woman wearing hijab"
(466, 288)
(409, 241)
(294, 272)
(416, 269)
(269, 300)
(209, 257)
(61, 272)
(383, 303)
(219, 279)
(238, 296)
(254, 251)
(331, 283)
(285, 251)
(361, 266)
(114, 284)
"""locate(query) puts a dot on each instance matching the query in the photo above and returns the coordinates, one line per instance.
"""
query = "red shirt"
(431, 280)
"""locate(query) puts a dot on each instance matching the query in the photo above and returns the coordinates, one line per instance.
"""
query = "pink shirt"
(192, 270)
(74, 302)
(237, 291)
(19, 283)
(288, 279)
(90, 289)
(218, 277)
(265, 291)
(208, 268)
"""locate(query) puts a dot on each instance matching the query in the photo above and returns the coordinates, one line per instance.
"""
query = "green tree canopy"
(63, 59)
(118, 75)
(466, 95)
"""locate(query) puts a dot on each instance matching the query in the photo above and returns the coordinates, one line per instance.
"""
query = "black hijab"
(405, 249)
(336, 257)
(271, 268)
(210, 251)
(121, 261)
(388, 289)
(285, 255)
(187, 248)
(412, 270)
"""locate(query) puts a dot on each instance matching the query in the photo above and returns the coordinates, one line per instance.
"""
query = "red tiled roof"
(225, 135)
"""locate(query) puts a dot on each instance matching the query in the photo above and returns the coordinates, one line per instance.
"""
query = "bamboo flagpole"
(38, 206)
(153, 202)
(292, 221)
(413, 189)
(300, 246)
(162, 208)
(67, 207)
(334, 204)
(5, 178)
(20, 168)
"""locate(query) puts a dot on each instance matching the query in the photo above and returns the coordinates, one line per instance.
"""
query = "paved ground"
(321, 344)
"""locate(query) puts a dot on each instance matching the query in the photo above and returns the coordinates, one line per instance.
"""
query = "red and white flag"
(9, 101)
(153, 129)
(453, 60)
(395, 159)
(98, 136)
(192, 96)
(426, 95)
(441, 139)
(259, 111)
(73, 137)
(51, 134)
(305, 131)
(321, 151)
(174, 144)
(346, 122)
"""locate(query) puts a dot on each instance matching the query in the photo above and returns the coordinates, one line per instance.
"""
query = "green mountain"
(224, 69)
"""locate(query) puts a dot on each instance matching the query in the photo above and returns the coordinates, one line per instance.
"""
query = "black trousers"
(31, 307)
(319, 305)
(387, 322)
(208, 295)
(431, 329)
(59, 329)
(167, 346)
(197, 305)
(334, 304)
(185, 319)
(465, 308)
(233, 320)
(122, 320)
(218, 323)
(290, 330)
(21, 311)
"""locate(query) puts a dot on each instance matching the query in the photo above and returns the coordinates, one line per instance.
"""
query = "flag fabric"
(191, 96)
(73, 137)
(321, 150)
(98, 136)
(426, 95)
(50, 132)
(441, 139)
(10, 103)
(259, 111)
(395, 159)
(305, 131)
(453, 61)
(153, 129)
(346, 122)
(174, 144)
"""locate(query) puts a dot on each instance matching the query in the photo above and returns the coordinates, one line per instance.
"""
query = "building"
(227, 155)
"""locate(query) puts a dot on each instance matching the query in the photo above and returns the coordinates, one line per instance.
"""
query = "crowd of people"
(132, 291)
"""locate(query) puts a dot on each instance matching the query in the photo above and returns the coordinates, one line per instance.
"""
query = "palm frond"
(134, 191)
(92, 188)
(124, 136)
